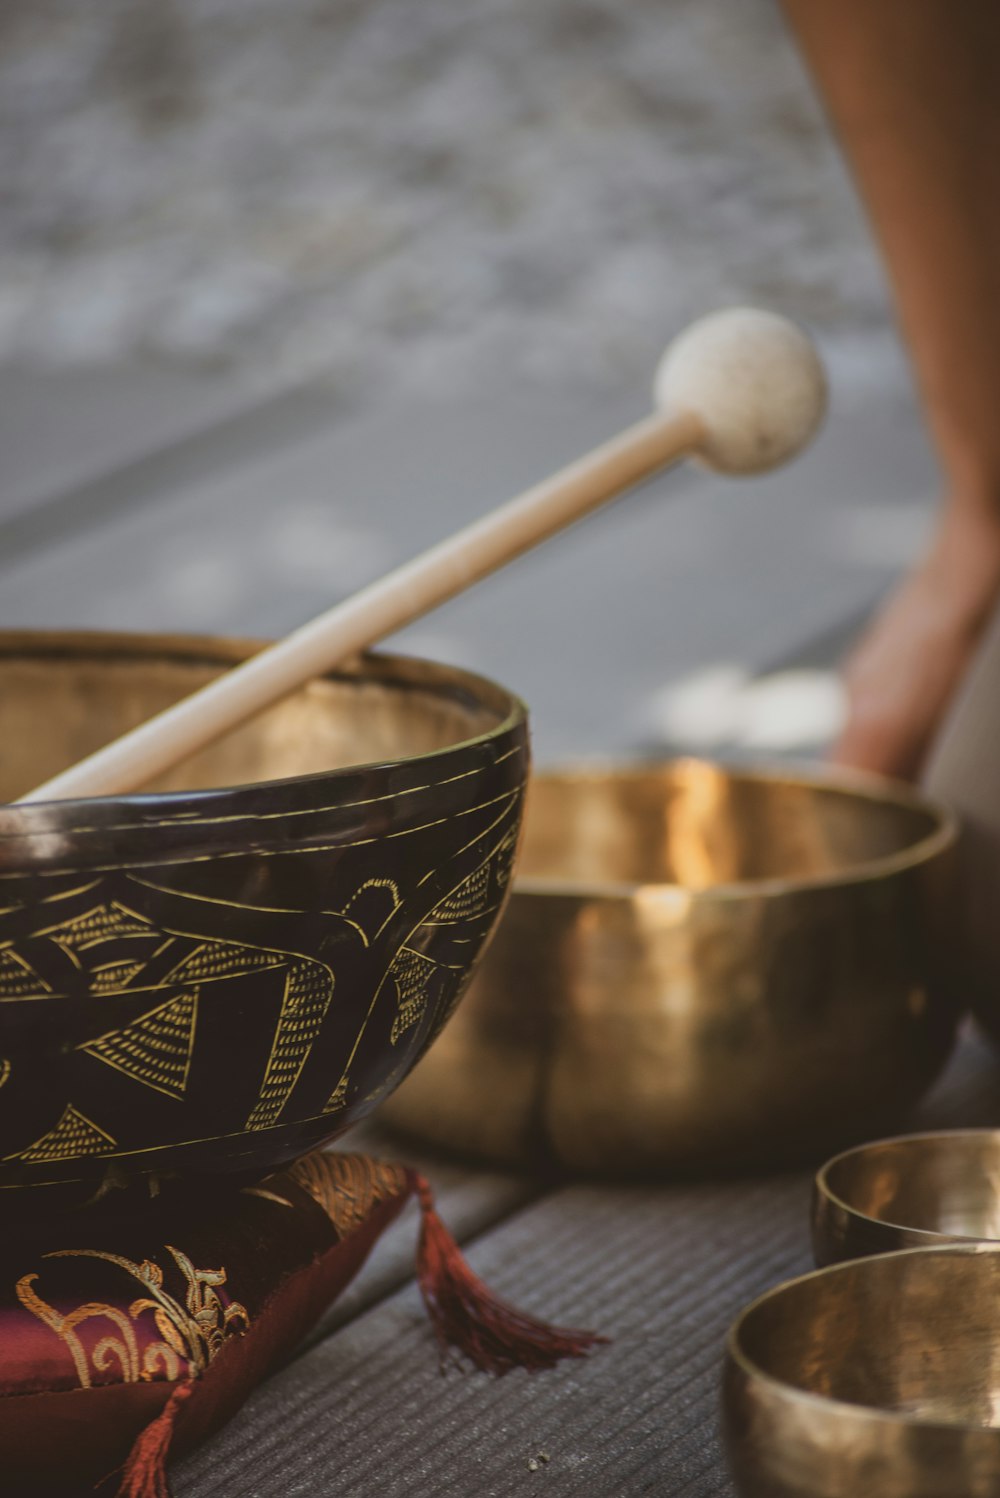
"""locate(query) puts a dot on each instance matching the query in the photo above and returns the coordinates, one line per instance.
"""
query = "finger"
(887, 745)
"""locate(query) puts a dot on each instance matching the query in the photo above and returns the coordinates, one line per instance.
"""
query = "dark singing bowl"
(217, 979)
(921, 1191)
(877, 1378)
(701, 967)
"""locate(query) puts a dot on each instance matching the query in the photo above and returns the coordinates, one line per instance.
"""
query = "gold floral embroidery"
(193, 1333)
(347, 1187)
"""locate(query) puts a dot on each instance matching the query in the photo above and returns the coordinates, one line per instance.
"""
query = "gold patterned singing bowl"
(876, 1378)
(218, 979)
(921, 1191)
(700, 967)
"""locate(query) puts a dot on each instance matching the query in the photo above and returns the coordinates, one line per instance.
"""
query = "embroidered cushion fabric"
(102, 1315)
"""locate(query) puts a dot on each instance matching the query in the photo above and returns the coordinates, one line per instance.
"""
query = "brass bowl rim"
(865, 785)
(226, 650)
(824, 1402)
(934, 1238)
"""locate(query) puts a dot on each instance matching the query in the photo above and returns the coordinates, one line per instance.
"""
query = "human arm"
(913, 88)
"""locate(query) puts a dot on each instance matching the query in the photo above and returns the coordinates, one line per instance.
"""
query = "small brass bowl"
(920, 1191)
(700, 967)
(219, 974)
(877, 1378)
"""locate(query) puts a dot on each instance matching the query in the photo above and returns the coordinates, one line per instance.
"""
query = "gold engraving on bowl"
(156, 1049)
(413, 975)
(18, 979)
(104, 922)
(417, 978)
(74, 1135)
(338, 1097)
(114, 977)
(308, 990)
(371, 908)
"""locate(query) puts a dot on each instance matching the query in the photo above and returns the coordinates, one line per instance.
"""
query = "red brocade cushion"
(128, 1337)
(103, 1318)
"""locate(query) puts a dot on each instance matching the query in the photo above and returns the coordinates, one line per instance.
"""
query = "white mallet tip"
(754, 379)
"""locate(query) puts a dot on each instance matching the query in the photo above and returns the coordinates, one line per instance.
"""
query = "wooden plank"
(469, 1199)
(663, 1270)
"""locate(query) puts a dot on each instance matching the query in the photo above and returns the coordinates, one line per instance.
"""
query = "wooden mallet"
(741, 390)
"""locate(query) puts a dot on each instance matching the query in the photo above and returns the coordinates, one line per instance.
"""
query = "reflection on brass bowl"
(196, 981)
(921, 1191)
(876, 1377)
(700, 967)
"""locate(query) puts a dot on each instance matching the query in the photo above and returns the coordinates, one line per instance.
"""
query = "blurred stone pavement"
(290, 288)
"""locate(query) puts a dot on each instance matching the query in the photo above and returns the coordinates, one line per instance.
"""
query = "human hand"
(903, 674)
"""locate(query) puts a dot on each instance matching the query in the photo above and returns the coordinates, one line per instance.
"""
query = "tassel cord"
(469, 1318)
(469, 1321)
(145, 1472)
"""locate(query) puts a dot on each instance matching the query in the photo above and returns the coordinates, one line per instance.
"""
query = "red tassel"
(145, 1472)
(467, 1315)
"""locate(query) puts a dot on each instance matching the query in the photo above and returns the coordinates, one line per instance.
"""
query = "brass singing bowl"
(880, 1377)
(920, 1191)
(219, 974)
(700, 967)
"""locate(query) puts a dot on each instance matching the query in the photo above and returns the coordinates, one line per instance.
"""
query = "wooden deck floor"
(662, 1270)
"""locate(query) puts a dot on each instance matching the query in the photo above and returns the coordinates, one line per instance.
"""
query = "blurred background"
(291, 288)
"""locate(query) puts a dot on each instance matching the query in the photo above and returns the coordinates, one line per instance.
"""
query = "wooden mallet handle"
(741, 390)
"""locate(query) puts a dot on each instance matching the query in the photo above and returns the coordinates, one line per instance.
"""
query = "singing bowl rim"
(934, 1238)
(22, 821)
(865, 785)
(243, 883)
(791, 1393)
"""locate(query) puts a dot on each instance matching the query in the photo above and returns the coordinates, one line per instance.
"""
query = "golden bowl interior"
(945, 1185)
(913, 1335)
(60, 702)
(700, 967)
(704, 827)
